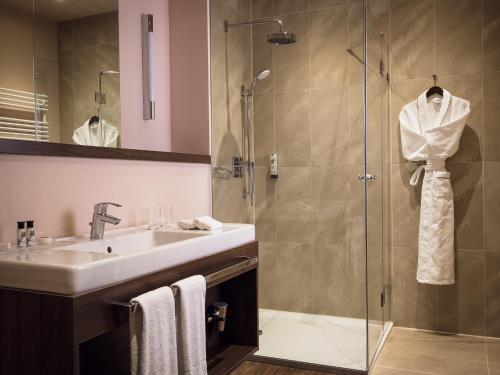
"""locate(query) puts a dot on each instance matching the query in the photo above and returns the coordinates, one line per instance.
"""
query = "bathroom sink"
(76, 265)
(132, 243)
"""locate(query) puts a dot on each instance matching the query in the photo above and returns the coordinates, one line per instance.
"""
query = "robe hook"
(434, 78)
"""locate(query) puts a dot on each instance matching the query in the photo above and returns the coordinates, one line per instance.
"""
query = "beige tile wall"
(86, 46)
(460, 41)
(310, 220)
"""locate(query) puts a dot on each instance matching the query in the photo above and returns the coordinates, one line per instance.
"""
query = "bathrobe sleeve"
(413, 143)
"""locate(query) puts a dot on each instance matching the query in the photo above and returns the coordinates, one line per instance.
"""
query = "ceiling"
(63, 10)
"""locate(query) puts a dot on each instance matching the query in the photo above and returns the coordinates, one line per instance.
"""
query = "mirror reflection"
(61, 73)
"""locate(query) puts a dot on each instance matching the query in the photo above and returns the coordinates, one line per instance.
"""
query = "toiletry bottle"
(21, 234)
(30, 233)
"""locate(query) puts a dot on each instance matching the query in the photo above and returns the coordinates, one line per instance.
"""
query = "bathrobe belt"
(430, 165)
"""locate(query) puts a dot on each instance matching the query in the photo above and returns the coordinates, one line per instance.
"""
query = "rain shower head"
(281, 38)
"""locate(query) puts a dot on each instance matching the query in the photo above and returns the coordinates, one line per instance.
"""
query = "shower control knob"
(368, 177)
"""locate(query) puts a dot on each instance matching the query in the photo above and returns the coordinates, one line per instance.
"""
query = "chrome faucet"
(100, 218)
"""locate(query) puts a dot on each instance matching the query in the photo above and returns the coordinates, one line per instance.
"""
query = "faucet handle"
(99, 207)
(111, 204)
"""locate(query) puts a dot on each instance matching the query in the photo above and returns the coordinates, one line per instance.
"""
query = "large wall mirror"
(66, 76)
(71, 94)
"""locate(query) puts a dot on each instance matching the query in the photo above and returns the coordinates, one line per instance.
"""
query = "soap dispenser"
(273, 166)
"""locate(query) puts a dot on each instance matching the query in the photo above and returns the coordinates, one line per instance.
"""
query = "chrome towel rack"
(211, 280)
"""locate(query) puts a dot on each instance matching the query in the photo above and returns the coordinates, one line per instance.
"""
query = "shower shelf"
(222, 173)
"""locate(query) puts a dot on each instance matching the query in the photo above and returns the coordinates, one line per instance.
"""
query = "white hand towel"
(153, 346)
(207, 223)
(186, 224)
(192, 352)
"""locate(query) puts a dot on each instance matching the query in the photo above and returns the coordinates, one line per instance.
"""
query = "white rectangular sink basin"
(135, 242)
(72, 266)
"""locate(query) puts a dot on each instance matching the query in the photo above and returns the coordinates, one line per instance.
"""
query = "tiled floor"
(412, 352)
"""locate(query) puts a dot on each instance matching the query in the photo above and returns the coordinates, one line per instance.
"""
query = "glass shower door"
(377, 171)
(321, 225)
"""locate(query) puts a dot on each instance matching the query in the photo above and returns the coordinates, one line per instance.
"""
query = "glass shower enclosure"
(306, 83)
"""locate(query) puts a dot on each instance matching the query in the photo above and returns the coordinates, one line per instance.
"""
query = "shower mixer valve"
(238, 167)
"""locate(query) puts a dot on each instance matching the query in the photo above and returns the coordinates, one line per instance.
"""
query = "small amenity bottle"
(21, 234)
(30, 233)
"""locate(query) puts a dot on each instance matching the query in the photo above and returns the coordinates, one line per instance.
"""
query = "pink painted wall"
(189, 72)
(59, 193)
(136, 132)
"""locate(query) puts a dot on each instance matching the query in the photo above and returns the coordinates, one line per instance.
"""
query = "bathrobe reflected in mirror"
(95, 133)
(430, 131)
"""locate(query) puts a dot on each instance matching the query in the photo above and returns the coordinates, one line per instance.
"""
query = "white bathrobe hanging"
(90, 135)
(430, 130)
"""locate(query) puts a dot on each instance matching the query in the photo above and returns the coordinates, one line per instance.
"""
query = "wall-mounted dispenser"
(147, 67)
(273, 166)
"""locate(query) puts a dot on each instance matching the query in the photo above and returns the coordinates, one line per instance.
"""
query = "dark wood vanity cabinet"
(44, 333)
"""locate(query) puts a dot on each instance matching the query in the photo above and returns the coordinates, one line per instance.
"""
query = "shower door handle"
(369, 177)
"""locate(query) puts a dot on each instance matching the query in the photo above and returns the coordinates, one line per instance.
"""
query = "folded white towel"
(153, 346)
(192, 352)
(207, 223)
(186, 224)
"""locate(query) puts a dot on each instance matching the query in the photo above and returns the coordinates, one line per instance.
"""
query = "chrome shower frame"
(245, 166)
(248, 163)
(100, 97)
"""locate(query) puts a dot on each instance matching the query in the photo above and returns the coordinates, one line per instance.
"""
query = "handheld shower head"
(263, 74)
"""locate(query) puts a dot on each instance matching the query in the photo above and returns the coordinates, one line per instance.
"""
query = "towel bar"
(132, 306)
(211, 280)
